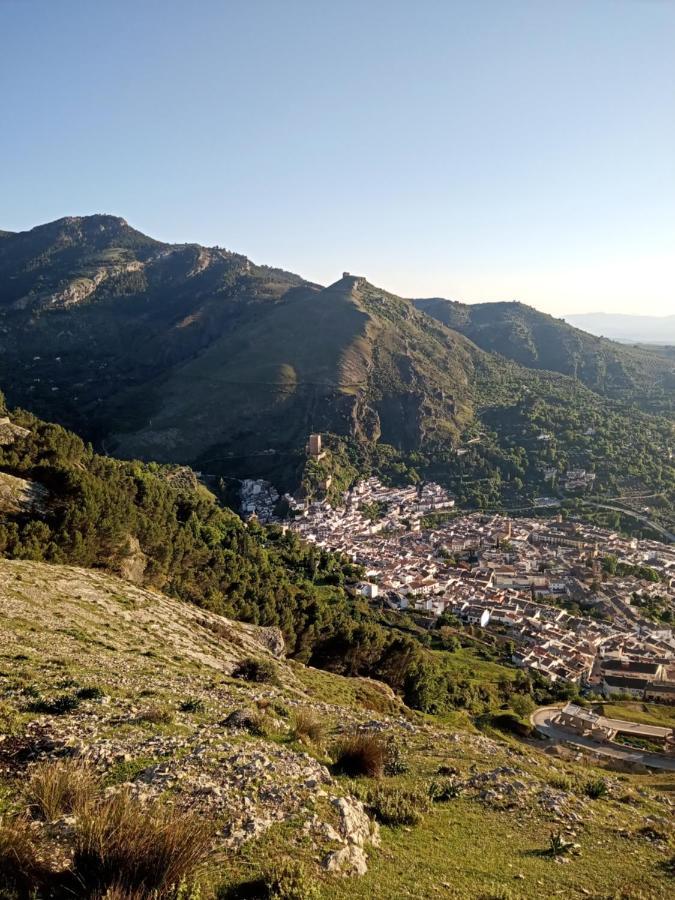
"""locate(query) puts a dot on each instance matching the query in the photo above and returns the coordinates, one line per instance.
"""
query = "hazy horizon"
(479, 152)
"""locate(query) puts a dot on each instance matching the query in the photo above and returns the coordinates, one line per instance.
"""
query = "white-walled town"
(580, 603)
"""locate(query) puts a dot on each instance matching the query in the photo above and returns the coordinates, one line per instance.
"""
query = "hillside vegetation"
(140, 521)
(197, 356)
(540, 341)
(143, 754)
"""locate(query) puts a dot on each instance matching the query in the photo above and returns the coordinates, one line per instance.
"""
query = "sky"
(477, 150)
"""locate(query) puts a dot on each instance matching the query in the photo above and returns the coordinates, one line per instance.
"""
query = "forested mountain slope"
(540, 341)
(194, 355)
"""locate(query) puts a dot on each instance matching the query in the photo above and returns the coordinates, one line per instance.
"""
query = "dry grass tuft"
(21, 870)
(308, 727)
(120, 842)
(157, 715)
(60, 788)
(119, 892)
(360, 754)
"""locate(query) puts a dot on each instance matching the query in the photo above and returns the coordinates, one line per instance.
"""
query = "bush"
(522, 705)
(392, 805)
(192, 705)
(559, 845)
(250, 720)
(60, 788)
(144, 848)
(261, 671)
(119, 892)
(20, 866)
(288, 880)
(394, 764)
(595, 788)
(54, 706)
(360, 754)
(9, 720)
(156, 715)
(89, 693)
(308, 727)
(447, 770)
(443, 789)
(280, 709)
(512, 724)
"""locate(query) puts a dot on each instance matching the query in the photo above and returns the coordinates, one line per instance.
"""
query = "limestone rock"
(348, 860)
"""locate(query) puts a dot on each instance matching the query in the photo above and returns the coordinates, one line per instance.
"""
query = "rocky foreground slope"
(141, 688)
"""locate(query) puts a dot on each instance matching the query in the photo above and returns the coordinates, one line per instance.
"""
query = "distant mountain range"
(189, 354)
(633, 329)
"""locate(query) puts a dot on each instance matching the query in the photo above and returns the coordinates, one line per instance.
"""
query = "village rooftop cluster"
(518, 578)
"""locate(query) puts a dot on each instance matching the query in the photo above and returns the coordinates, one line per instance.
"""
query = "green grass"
(354, 693)
(463, 850)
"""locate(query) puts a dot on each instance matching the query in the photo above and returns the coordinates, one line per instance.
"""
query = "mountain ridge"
(198, 356)
(540, 341)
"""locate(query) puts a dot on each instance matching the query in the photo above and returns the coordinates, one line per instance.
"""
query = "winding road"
(635, 515)
(543, 721)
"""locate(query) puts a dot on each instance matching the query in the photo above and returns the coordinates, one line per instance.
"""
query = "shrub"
(156, 715)
(558, 845)
(394, 764)
(393, 805)
(288, 880)
(595, 788)
(89, 693)
(360, 754)
(9, 720)
(60, 788)
(522, 705)
(443, 789)
(54, 706)
(250, 720)
(261, 671)
(184, 890)
(280, 709)
(119, 892)
(511, 723)
(308, 727)
(20, 866)
(192, 705)
(144, 848)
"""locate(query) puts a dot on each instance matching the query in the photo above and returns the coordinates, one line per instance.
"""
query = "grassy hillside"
(117, 700)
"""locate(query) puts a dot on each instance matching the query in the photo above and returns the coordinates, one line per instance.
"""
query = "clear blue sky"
(484, 149)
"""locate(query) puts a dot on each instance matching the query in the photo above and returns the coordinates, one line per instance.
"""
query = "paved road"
(542, 719)
(629, 512)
